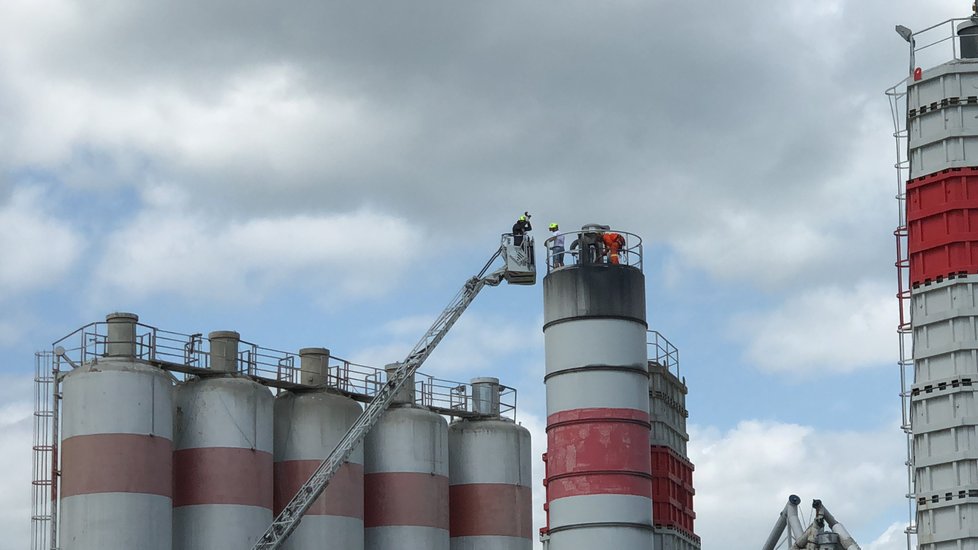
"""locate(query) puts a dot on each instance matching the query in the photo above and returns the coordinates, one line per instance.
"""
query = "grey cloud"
(656, 114)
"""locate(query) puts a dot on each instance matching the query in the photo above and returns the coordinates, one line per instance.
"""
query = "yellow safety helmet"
(553, 227)
(522, 218)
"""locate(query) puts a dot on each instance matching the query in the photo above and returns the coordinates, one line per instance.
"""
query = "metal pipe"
(224, 350)
(485, 396)
(121, 338)
(794, 524)
(775, 536)
(314, 366)
(844, 537)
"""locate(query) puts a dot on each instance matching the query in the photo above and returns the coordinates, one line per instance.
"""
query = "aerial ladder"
(518, 268)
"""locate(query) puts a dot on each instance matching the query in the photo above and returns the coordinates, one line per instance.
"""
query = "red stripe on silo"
(405, 498)
(116, 463)
(598, 451)
(491, 509)
(942, 224)
(343, 496)
(222, 475)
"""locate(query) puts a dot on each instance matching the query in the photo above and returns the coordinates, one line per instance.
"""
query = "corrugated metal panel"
(944, 419)
(943, 128)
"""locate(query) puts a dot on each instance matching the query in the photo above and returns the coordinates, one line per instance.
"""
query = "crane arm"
(287, 521)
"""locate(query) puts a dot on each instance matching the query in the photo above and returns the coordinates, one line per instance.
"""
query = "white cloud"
(754, 244)
(170, 248)
(475, 346)
(38, 248)
(826, 329)
(853, 473)
(894, 538)
(16, 431)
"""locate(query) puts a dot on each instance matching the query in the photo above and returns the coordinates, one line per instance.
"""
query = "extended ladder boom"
(291, 515)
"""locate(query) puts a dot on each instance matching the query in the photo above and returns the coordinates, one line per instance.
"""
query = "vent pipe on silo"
(406, 395)
(968, 35)
(224, 350)
(121, 338)
(314, 366)
(485, 396)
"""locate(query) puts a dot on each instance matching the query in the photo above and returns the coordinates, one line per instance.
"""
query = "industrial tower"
(598, 463)
(935, 112)
(672, 470)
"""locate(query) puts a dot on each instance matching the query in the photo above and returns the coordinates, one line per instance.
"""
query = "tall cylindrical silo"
(116, 450)
(489, 477)
(223, 459)
(599, 490)
(406, 479)
(308, 424)
(939, 222)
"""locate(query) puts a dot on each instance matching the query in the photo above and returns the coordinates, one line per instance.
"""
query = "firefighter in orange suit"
(613, 243)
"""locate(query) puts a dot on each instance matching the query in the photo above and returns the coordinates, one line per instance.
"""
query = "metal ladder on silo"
(44, 481)
(519, 268)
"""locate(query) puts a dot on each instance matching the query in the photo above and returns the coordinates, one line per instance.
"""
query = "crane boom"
(519, 268)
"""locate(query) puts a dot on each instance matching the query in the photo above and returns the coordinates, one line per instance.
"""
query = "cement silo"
(937, 131)
(223, 459)
(116, 449)
(308, 424)
(489, 477)
(406, 479)
(598, 480)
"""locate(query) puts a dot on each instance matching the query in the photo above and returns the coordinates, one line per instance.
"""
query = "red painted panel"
(343, 496)
(405, 498)
(672, 489)
(222, 475)
(942, 223)
(491, 509)
(598, 451)
(116, 463)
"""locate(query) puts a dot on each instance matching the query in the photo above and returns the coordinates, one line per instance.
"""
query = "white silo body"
(406, 480)
(116, 450)
(599, 490)
(490, 479)
(223, 457)
(307, 427)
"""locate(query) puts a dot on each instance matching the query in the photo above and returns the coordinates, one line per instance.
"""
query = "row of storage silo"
(147, 463)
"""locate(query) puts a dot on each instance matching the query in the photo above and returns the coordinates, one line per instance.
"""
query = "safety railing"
(187, 355)
(936, 44)
(594, 245)
(663, 352)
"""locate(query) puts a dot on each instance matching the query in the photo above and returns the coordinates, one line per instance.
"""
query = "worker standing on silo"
(557, 247)
(520, 228)
(613, 243)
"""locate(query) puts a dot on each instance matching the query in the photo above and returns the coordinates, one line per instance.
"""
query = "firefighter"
(557, 248)
(613, 243)
(520, 228)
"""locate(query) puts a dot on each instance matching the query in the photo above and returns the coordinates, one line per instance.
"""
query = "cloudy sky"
(329, 173)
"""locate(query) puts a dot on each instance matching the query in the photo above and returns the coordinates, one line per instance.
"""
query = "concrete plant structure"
(174, 442)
